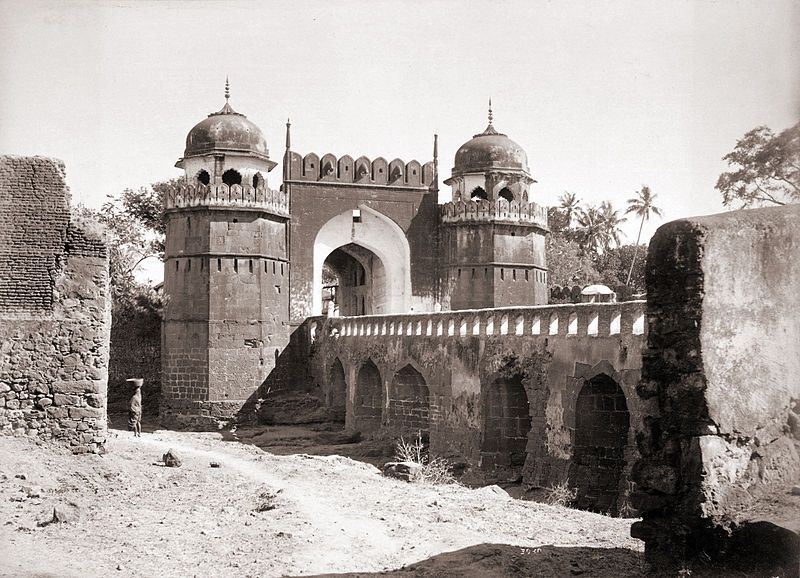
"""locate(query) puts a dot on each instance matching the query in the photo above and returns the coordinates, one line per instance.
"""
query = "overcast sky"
(603, 96)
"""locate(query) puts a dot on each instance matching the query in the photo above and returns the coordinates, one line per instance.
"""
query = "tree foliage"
(584, 245)
(766, 169)
(134, 232)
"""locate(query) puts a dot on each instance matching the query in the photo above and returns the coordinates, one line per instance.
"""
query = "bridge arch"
(506, 425)
(409, 401)
(368, 399)
(337, 390)
(600, 437)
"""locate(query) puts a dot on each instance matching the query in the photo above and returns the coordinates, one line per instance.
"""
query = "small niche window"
(232, 177)
(203, 177)
(505, 193)
(258, 180)
(478, 193)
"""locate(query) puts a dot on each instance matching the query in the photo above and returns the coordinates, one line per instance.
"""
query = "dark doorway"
(409, 402)
(354, 282)
(601, 435)
(368, 403)
(337, 391)
(507, 423)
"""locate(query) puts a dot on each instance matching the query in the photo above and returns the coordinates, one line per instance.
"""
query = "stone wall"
(226, 283)
(723, 365)
(135, 352)
(55, 310)
(498, 389)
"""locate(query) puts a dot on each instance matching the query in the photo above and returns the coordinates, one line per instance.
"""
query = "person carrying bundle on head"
(135, 407)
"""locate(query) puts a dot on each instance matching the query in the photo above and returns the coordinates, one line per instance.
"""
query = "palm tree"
(592, 234)
(611, 223)
(570, 205)
(642, 205)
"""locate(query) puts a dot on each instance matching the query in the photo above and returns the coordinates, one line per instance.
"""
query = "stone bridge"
(545, 393)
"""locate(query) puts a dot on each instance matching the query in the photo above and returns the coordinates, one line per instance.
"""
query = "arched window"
(506, 194)
(478, 193)
(258, 180)
(203, 177)
(232, 177)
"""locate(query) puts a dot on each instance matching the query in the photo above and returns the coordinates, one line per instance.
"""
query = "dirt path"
(319, 514)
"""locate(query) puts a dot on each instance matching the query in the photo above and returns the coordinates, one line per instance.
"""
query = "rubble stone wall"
(55, 310)
(723, 364)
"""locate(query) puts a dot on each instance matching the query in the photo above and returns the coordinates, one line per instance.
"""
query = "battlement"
(227, 197)
(362, 171)
(502, 210)
(580, 320)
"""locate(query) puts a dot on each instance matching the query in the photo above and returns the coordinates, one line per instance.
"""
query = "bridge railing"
(582, 319)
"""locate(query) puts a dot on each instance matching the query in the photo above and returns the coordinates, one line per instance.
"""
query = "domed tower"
(493, 237)
(226, 273)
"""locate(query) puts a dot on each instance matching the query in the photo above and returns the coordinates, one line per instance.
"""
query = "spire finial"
(490, 111)
(227, 89)
(435, 147)
(288, 134)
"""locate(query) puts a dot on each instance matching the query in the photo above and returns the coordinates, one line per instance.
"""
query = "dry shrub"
(434, 471)
(561, 495)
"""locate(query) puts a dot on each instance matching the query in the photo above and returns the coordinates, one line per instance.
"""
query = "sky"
(604, 96)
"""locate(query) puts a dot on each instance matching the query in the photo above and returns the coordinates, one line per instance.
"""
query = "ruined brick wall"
(469, 363)
(55, 310)
(723, 364)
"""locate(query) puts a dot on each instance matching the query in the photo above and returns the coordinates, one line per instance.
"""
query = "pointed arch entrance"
(409, 400)
(507, 423)
(374, 242)
(602, 422)
(337, 391)
(368, 402)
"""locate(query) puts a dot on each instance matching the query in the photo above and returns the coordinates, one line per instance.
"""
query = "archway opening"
(375, 242)
(602, 421)
(368, 402)
(203, 177)
(409, 400)
(354, 282)
(507, 423)
(505, 193)
(258, 181)
(337, 391)
(477, 194)
(232, 177)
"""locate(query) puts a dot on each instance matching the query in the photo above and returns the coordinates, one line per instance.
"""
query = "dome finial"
(490, 111)
(228, 89)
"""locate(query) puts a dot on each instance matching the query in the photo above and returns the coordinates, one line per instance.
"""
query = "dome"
(226, 131)
(490, 150)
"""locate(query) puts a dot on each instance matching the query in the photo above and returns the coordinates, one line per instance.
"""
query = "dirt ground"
(262, 514)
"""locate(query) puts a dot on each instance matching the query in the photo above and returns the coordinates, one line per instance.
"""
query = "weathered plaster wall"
(55, 310)
(461, 356)
(723, 364)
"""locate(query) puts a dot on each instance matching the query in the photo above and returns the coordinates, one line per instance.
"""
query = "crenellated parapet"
(502, 210)
(228, 197)
(345, 170)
